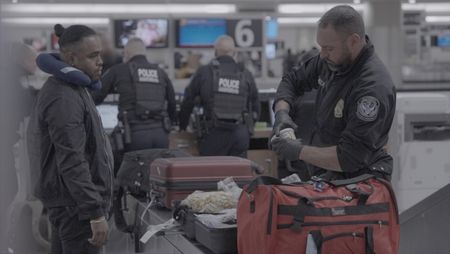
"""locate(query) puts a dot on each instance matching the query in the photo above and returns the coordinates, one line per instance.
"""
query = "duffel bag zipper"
(343, 234)
(311, 200)
(336, 223)
(378, 222)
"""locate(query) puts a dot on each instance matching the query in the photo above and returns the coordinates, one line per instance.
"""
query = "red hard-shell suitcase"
(173, 179)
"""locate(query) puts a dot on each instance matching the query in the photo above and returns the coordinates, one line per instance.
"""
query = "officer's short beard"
(344, 63)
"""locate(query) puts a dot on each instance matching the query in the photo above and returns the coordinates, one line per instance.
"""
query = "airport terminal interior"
(272, 38)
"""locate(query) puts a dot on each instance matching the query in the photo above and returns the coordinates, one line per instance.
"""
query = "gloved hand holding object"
(282, 121)
(287, 149)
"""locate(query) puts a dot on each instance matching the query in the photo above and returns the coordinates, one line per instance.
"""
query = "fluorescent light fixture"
(356, 1)
(437, 19)
(119, 8)
(299, 20)
(412, 1)
(428, 7)
(52, 21)
(310, 8)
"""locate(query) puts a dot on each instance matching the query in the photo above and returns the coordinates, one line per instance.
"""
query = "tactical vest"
(230, 97)
(150, 90)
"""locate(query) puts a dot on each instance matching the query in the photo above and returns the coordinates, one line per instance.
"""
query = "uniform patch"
(320, 82)
(368, 108)
(148, 75)
(229, 85)
(339, 109)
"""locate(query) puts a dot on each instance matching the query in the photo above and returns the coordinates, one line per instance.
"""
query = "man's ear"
(355, 39)
(69, 57)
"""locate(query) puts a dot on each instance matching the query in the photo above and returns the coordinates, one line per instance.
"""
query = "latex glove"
(282, 121)
(287, 149)
(100, 230)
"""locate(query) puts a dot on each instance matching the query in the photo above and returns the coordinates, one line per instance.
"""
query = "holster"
(249, 122)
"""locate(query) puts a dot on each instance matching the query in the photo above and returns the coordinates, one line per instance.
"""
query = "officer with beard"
(355, 102)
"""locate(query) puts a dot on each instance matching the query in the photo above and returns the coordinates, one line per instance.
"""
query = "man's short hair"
(344, 19)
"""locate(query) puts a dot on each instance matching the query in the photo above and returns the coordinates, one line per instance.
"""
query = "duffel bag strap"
(353, 180)
(318, 240)
(368, 232)
(262, 180)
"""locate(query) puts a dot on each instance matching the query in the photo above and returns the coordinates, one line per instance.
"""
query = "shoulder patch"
(367, 109)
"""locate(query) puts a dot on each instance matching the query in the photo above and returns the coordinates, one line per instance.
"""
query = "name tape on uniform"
(229, 85)
(148, 75)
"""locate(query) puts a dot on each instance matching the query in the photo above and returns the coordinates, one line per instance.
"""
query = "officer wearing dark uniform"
(355, 102)
(146, 98)
(229, 98)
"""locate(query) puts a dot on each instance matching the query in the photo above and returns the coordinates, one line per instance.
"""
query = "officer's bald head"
(134, 47)
(224, 45)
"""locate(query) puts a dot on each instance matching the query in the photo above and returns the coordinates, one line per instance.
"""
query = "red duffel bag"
(357, 215)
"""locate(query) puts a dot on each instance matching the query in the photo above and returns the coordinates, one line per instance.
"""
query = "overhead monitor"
(443, 40)
(153, 32)
(199, 33)
(271, 29)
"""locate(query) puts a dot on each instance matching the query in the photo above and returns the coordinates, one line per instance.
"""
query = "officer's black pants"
(148, 138)
(226, 142)
(69, 234)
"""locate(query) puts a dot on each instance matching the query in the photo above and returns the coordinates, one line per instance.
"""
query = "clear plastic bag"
(229, 185)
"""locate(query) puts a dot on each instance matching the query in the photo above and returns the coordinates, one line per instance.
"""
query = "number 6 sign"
(246, 32)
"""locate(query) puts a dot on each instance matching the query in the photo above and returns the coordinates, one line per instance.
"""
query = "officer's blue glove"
(287, 149)
(282, 121)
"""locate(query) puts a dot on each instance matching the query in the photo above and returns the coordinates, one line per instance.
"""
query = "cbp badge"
(339, 109)
(368, 108)
(320, 82)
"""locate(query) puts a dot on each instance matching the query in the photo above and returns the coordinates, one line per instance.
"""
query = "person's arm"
(369, 119)
(108, 81)
(323, 157)
(295, 83)
(254, 98)
(64, 115)
(190, 93)
(170, 97)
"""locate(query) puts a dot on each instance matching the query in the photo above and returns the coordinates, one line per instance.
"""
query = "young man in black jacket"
(69, 149)
(355, 102)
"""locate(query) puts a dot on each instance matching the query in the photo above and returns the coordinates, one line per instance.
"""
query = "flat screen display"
(153, 32)
(271, 51)
(271, 29)
(443, 40)
(199, 32)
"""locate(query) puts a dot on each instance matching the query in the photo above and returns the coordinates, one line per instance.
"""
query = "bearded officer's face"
(335, 48)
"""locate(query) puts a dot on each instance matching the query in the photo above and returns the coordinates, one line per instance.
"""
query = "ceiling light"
(299, 20)
(437, 19)
(52, 21)
(310, 8)
(412, 1)
(428, 7)
(119, 8)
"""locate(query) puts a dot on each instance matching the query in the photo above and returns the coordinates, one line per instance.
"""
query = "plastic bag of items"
(209, 202)
(230, 186)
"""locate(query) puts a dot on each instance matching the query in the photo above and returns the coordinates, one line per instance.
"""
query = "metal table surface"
(172, 241)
